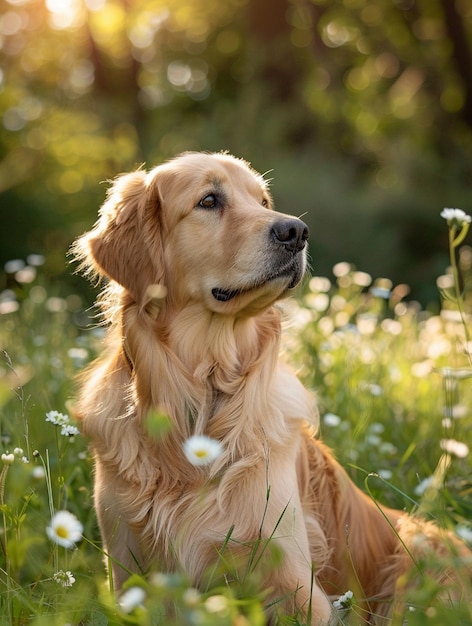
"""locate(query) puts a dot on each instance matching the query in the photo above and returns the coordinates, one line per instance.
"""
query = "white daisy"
(202, 450)
(132, 598)
(332, 420)
(452, 446)
(456, 217)
(65, 529)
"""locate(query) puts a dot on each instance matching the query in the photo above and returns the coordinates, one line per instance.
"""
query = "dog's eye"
(265, 202)
(208, 202)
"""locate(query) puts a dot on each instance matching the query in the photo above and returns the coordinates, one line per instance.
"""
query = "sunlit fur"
(213, 368)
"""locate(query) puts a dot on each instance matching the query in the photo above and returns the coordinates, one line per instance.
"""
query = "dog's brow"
(217, 185)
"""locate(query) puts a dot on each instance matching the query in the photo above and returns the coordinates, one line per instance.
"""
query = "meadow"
(394, 387)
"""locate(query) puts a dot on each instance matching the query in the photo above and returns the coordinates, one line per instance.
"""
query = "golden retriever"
(196, 259)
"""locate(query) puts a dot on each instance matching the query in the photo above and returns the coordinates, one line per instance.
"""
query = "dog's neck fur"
(210, 373)
(221, 379)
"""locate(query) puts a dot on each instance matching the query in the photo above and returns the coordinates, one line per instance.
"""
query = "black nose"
(291, 233)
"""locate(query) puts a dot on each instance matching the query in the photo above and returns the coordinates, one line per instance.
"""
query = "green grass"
(395, 394)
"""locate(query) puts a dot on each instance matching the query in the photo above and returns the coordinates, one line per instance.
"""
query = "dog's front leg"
(122, 552)
(295, 588)
(267, 512)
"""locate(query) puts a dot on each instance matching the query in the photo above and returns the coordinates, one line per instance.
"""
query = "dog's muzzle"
(288, 237)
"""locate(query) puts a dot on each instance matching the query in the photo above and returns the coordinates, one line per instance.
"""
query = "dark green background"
(361, 110)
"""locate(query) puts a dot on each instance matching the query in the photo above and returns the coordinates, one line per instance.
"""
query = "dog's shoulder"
(292, 397)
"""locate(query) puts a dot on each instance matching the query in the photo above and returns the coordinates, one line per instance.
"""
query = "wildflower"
(216, 604)
(424, 485)
(202, 450)
(341, 269)
(320, 283)
(455, 217)
(362, 279)
(372, 388)
(458, 448)
(457, 411)
(68, 430)
(318, 301)
(451, 375)
(38, 472)
(191, 597)
(345, 601)
(366, 325)
(446, 422)
(160, 580)
(35, 259)
(464, 532)
(330, 419)
(65, 579)
(56, 305)
(422, 369)
(373, 440)
(79, 355)
(13, 266)
(65, 529)
(18, 452)
(132, 598)
(8, 458)
(386, 474)
(377, 427)
(381, 292)
(56, 418)
(26, 275)
(387, 448)
(62, 420)
(8, 306)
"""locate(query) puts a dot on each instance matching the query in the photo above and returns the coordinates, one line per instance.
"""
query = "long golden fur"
(195, 260)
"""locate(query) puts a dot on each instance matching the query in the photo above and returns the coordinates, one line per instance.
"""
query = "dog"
(195, 259)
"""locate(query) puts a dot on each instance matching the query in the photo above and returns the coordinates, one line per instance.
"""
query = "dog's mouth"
(293, 269)
(224, 295)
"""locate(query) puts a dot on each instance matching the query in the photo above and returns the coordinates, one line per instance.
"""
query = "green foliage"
(393, 382)
(362, 110)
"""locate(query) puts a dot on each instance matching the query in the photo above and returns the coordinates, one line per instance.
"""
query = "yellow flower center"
(61, 532)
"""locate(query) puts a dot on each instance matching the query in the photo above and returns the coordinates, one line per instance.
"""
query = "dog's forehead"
(206, 170)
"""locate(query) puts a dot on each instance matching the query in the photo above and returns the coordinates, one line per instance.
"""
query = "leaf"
(18, 549)
(157, 424)
(97, 619)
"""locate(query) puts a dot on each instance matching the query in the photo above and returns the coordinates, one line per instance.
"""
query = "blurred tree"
(459, 38)
(367, 105)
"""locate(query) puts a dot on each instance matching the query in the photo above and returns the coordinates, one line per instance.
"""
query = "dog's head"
(201, 225)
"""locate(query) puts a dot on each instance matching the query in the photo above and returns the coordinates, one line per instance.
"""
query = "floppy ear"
(125, 242)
